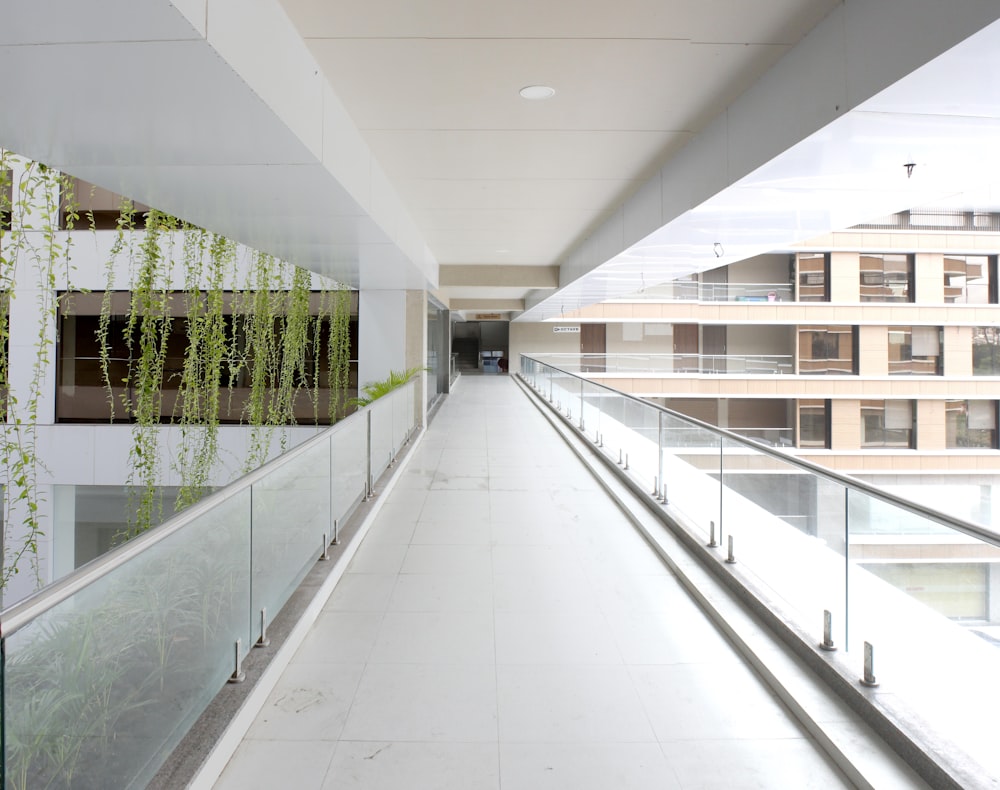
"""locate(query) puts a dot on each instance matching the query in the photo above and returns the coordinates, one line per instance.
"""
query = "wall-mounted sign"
(574, 329)
(488, 316)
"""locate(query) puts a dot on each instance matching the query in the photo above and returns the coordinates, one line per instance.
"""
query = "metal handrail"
(779, 362)
(969, 528)
(23, 612)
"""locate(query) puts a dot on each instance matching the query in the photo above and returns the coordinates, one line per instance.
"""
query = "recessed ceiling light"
(537, 92)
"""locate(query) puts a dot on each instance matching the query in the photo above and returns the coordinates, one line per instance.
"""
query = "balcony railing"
(688, 291)
(800, 535)
(106, 670)
(667, 364)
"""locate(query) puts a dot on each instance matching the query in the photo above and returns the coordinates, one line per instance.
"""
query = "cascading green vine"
(255, 335)
(296, 344)
(147, 336)
(262, 354)
(30, 239)
(124, 244)
(205, 358)
(338, 348)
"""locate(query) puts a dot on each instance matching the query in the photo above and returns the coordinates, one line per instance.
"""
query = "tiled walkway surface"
(502, 626)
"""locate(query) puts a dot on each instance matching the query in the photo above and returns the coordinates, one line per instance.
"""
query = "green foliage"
(205, 359)
(147, 333)
(262, 340)
(96, 687)
(376, 389)
(35, 252)
(260, 337)
(87, 681)
(337, 306)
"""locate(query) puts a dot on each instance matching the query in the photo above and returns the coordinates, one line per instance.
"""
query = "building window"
(971, 423)
(814, 423)
(915, 351)
(986, 351)
(81, 390)
(828, 350)
(887, 423)
(887, 278)
(970, 279)
(814, 277)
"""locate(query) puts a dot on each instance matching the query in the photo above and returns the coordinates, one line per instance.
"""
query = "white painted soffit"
(868, 91)
(215, 112)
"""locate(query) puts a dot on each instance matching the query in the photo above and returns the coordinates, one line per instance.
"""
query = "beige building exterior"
(867, 350)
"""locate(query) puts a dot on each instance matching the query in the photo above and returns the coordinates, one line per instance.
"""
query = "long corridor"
(502, 626)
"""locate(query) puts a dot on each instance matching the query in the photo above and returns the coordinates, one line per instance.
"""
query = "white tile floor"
(503, 627)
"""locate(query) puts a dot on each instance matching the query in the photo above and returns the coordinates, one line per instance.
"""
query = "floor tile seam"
(333, 752)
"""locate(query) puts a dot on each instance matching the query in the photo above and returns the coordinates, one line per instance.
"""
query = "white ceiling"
(493, 179)
(384, 143)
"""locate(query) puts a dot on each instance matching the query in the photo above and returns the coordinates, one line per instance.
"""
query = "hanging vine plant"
(147, 337)
(338, 349)
(262, 354)
(264, 338)
(205, 359)
(296, 343)
(270, 346)
(31, 245)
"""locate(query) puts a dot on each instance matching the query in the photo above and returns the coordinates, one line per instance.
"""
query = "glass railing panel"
(691, 470)
(402, 415)
(529, 369)
(788, 528)
(641, 441)
(348, 450)
(381, 447)
(565, 392)
(594, 396)
(291, 512)
(919, 593)
(100, 688)
(914, 583)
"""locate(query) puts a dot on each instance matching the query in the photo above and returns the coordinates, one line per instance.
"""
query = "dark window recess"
(915, 351)
(814, 277)
(971, 424)
(828, 350)
(888, 423)
(814, 424)
(887, 278)
(970, 279)
(986, 351)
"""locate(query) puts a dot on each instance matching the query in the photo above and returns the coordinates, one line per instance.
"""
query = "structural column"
(392, 328)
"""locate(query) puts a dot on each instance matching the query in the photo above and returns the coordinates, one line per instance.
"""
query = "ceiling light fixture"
(717, 249)
(909, 168)
(537, 92)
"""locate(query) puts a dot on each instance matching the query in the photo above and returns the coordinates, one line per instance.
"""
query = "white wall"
(771, 268)
(760, 339)
(640, 338)
(526, 338)
(381, 334)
